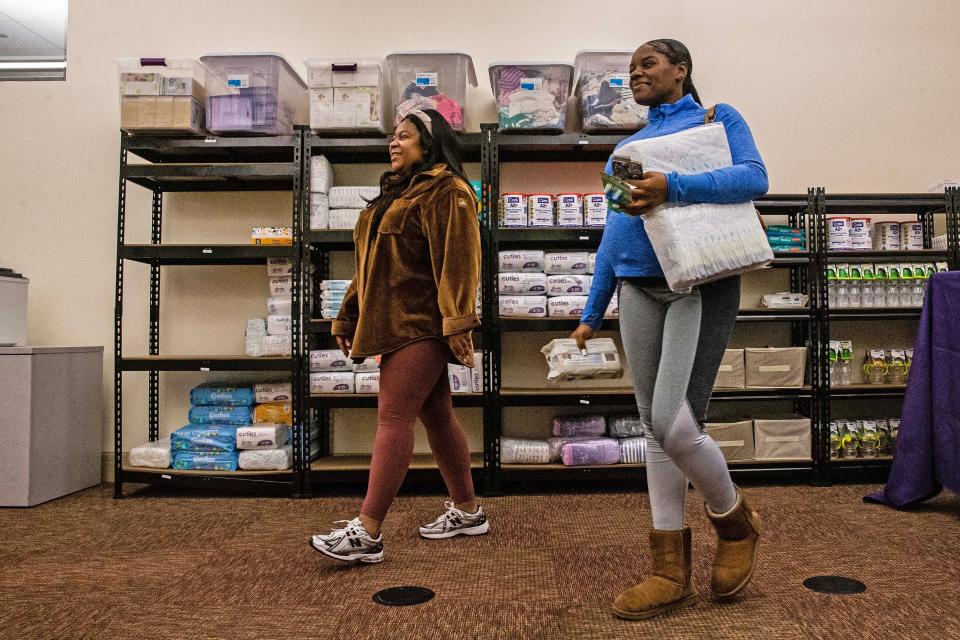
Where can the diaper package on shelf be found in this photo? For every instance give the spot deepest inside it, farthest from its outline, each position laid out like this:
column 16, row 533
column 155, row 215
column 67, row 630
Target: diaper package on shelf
column 332, row 382
column 567, row 363
column 279, row 325
column 522, row 284
column 321, row 174
column 279, row 267
column 205, row 438
column 263, row 436
column 590, row 452
column 212, row 415
column 367, row 366
column 343, row 218
column 192, row 461
column 335, row 285
column 520, row 451
column 784, row 300
column 273, row 392
column 690, row 246
column 281, row 286
column 591, row 263
column 273, row 412
column 565, row 426
column 556, row 444
column 212, row 393
column 566, row 306
column 368, row 382
column 319, row 211
column 613, row 309
column 476, row 374
column 153, row 455
column 624, row 427
column 253, row 336
column 461, row 378
column 633, row 450
column 266, row 459
column 577, row 262
column 279, row 305
column 329, row 360
column 277, row 346
column 521, row 261
column 568, row 285
column 523, row 306
column 352, row 197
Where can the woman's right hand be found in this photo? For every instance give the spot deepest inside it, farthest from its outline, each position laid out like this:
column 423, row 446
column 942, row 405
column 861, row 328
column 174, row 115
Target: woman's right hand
column 344, row 344
column 581, row 334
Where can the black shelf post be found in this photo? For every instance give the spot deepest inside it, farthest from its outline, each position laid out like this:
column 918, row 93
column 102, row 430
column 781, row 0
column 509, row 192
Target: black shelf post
column 821, row 342
column 153, row 378
column 118, row 328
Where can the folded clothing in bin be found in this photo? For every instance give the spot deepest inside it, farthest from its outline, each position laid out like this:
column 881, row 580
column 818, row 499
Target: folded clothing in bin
column 590, row 452
column 266, row 413
column 210, row 415
column 278, row 459
column 209, row 438
column 520, row 451
column 531, row 95
column 556, row 444
column 263, row 436
column 567, row 363
column 625, row 427
column 579, row 426
column 154, row 455
column 222, row 395
column 633, row 450
column 193, row 461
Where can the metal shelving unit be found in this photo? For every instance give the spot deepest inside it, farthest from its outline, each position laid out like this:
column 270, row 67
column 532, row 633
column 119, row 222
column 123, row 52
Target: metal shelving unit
column 175, row 164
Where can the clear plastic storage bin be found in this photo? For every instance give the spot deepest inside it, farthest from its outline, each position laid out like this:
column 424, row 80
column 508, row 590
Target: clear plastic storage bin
column 347, row 96
column 161, row 95
column 431, row 80
column 253, row 93
column 604, row 99
column 531, row 95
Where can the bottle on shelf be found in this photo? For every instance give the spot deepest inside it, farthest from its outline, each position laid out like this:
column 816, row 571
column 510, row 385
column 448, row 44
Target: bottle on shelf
column 867, row 286
column 834, row 363
column 893, row 286
column 880, row 286
column 906, row 285
column 846, row 362
column 883, row 431
column 894, row 434
column 832, row 284
column 875, row 366
column 849, row 440
column 919, row 287
column 869, row 439
column 855, row 286
column 896, row 366
column 835, row 440
column 843, row 286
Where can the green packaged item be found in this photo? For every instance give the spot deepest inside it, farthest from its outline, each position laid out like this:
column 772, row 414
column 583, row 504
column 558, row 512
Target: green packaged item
column 835, row 440
column 869, row 439
column 618, row 191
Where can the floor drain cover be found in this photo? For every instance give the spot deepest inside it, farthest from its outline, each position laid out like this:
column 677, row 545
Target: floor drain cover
column 834, row 584
column 403, row 596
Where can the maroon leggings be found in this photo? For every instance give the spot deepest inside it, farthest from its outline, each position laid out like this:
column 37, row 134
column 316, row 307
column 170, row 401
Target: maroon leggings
column 414, row 383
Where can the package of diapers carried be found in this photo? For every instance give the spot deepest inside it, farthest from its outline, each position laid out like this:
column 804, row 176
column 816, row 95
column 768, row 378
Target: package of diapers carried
column 332, row 382
column 280, row 285
column 521, row 261
column 633, row 450
column 566, row 363
column 153, row 455
column 192, row 461
column 523, row 306
column 520, row 451
column 566, row 306
column 368, row 382
column 329, row 360
column 279, row 267
column 279, row 325
column 206, row 438
column 579, row 426
column 266, row 459
column 624, row 427
column 556, row 444
column 263, row 436
column 576, row 262
column 691, row 246
column 568, row 285
column 321, row 174
column 590, row 452
column 213, row 415
column 352, row 197
column 522, row 284
column 273, row 392
column 343, row 218
column 212, row 393
column 319, row 212
column 279, row 305
column 270, row 412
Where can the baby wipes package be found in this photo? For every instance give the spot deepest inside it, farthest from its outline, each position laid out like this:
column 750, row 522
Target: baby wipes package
column 523, row 306
column 526, row 261
column 568, row 285
column 566, row 306
column 522, row 283
column 567, row 363
column 577, row 262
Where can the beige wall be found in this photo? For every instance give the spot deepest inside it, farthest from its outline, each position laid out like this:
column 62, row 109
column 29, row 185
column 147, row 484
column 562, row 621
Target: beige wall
column 855, row 96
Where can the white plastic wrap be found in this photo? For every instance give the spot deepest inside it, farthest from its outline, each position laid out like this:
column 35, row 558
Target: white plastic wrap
column 633, row 450
column 253, row 336
column 613, row 309
column 518, row 451
column 522, row 284
column 523, row 306
column 566, row 363
column 266, row 459
column 319, row 211
column 335, row 285
column 523, row 261
column 476, row 374
column 279, row 305
column 697, row 243
column 279, row 325
column 321, row 174
column 273, row 392
column 281, row 286
column 343, row 218
column 277, row 346
column 568, row 285
column 352, row 197
column 153, row 455
column 262, row 436
column 577, row 262
column 566, row 306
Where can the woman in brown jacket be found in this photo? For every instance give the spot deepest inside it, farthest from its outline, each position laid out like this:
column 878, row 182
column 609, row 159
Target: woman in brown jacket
column 413, row 301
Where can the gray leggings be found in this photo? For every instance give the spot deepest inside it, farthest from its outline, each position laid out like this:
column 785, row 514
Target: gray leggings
column 674, row 343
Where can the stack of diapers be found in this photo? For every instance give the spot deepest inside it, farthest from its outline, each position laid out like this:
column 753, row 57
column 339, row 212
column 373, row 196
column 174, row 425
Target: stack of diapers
column 205, row 448
column 690, row 246
column 535, row 284
column 624, row 427
column 555, row 445
column 321, row 181
column 522, row 276
column 466, row 379
column 263, row 447
column 566, row 426
column 346, row 203
column 153, row 455
column 331, row 372
column 633, row 450
column 566, row 363
column 273, row 403
column 271, row 336
column 366, row 376
column 597, row 451
column 331, row 297
column 519, row 451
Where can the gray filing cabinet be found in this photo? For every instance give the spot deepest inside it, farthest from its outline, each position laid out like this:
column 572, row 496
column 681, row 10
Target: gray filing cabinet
column 50, row 422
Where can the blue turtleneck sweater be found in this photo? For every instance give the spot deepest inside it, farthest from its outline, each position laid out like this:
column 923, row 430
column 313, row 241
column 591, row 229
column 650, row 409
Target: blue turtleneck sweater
column 625, row 250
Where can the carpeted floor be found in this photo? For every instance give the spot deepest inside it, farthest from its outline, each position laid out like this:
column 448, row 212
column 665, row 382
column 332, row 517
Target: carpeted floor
column 162, row 565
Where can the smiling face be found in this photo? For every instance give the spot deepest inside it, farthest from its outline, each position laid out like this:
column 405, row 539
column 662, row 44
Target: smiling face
column 405, row 148
column 654, row 80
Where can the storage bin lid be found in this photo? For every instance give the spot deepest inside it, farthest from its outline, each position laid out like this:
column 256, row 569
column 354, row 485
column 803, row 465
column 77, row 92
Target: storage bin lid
column 357, row 62
column 256, row 54
column 471, row 72
column 496, row 66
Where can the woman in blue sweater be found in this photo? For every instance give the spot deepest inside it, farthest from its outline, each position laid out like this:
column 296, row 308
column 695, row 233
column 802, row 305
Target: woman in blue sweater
column 675, row 341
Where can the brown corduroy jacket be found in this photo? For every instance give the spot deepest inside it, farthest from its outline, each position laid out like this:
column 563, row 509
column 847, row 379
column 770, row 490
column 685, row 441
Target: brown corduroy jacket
column 417, row 278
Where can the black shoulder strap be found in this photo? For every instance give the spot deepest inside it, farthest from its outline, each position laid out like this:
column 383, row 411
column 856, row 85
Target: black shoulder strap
column 710, row 115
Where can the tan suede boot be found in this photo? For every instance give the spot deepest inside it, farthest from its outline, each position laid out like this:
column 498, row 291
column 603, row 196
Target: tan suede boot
column 670, row 587
column 738, row 531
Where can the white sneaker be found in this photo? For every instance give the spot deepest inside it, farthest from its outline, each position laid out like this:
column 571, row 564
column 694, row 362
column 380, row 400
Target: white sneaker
column 456, row 522
column 351, row 543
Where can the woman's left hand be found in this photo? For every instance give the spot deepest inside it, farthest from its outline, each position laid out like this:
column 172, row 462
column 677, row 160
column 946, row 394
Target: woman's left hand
column 647, row 193
column 462, row 346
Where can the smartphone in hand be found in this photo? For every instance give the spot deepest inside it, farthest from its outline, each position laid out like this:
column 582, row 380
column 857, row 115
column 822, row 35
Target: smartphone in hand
column 625, row 168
